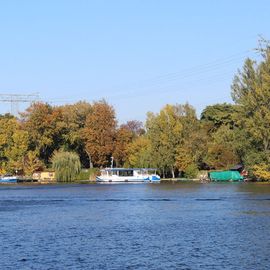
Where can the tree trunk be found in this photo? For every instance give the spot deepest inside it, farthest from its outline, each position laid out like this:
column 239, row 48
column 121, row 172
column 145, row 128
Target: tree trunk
column 173, row 175
column 90, row 160
column 266, row 144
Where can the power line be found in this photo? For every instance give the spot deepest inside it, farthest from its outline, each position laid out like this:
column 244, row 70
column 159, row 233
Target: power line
column 15, row 99
column 140, row 88
column 192, row 73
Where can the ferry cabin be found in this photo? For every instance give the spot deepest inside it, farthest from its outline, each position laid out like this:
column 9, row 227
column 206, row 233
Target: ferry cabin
column 128, row 175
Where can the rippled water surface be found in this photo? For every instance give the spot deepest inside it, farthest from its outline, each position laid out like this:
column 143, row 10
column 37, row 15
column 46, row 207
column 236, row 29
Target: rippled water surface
column 135, row 226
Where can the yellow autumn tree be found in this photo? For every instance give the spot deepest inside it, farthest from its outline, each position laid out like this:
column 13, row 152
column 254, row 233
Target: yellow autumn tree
column 167, row 131
column 13, row 144
column 138, row 153
column 261, row 171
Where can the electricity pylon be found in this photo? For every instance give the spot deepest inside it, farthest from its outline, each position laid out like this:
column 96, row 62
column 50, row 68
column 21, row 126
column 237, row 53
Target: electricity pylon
column 16, row 99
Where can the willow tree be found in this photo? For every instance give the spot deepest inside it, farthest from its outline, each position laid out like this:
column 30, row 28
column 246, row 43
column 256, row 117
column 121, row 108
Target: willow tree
column 67, row 166
column 74, row 118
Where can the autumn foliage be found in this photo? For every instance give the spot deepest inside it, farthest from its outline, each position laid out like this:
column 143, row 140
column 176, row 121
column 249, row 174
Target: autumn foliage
column 99, row 133
column 174, row 140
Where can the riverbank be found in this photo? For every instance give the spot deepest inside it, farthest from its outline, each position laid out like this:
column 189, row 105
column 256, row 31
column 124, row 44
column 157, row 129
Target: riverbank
column 162, row 181
column 174, row 180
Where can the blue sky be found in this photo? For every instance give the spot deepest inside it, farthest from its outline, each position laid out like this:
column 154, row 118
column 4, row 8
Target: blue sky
column 139, row 54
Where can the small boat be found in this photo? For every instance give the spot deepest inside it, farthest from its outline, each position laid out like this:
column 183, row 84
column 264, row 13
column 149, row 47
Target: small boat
column 8, row 179
column 130, row 175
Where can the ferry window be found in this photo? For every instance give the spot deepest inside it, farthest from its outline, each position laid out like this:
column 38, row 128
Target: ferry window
column 126, row 173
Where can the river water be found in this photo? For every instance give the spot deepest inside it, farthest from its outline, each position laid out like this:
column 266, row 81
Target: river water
column 135, row 226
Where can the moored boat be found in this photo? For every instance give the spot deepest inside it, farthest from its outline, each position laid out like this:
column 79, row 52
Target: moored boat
column 8, row 179
column 131, row 175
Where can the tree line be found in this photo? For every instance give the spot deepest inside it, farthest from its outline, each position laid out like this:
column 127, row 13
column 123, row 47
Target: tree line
column 174, row 140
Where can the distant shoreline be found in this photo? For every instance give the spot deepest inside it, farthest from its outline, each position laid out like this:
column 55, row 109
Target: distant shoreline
column 163, row 181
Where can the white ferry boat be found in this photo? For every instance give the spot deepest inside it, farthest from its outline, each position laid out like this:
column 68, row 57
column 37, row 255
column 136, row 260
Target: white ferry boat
column 131, row 175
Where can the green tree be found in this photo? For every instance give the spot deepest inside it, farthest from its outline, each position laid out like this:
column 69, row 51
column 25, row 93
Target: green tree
column 163, row 130
column 44, row 125
column 8, row 125
column 220, row 115
column 191, row 171
column 251, row 90
column 14, row 144
column 139, row 153
column 67, row 166
column 74, row 119
column 17, row 150
column 166, row 131
column 193, row 148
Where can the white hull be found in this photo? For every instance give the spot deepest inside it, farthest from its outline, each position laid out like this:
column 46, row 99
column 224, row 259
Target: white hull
column 9, row 179
column 121, row 180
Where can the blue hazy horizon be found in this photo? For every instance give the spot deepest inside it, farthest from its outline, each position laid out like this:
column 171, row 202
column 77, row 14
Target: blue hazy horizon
column 138, row 55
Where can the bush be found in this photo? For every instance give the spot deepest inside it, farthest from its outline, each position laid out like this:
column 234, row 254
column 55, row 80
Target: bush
column 93, row 173
column 83, row 175
column 191, row 171
column 67, row 166
column 261, row 171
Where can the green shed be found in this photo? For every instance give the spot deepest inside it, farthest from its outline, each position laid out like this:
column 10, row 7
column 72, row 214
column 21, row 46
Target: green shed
column 226, row 176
